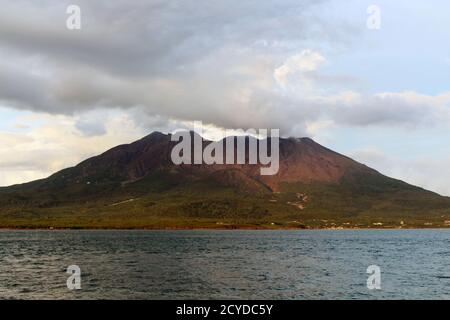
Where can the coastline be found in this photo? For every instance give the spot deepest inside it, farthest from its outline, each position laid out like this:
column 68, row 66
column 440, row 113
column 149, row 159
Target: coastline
column 217, row 229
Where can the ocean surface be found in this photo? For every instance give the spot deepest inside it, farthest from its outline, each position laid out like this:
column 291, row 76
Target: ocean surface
column 322, row 264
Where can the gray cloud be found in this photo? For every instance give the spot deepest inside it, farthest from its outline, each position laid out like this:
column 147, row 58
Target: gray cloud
column 90, row 127
column 188, row 60
column 150, row 36
column 404, row 108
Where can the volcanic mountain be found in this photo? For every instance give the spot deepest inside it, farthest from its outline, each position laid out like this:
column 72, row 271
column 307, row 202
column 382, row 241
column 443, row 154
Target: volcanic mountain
column 138, row 186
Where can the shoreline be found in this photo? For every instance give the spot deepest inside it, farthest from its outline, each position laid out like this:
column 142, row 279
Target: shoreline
column 215, row 229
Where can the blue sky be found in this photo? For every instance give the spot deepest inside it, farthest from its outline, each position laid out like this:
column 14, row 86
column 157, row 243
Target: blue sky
column 310, row 68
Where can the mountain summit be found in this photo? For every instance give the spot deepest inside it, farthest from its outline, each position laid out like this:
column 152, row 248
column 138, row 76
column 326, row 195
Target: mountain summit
column 137, row 186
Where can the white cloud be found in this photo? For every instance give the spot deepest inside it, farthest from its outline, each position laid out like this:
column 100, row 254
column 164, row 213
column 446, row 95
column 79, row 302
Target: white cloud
column 304, row 62
column 57, row 143
column 426, row 171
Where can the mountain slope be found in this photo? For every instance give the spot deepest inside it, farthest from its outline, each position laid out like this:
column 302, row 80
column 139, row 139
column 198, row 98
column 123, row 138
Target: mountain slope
column 137, row 185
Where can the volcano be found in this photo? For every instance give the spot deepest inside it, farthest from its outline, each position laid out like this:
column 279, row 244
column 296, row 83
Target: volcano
column 138, row 186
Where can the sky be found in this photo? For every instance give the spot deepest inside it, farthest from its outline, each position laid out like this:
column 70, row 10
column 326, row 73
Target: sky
column 309, row 68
